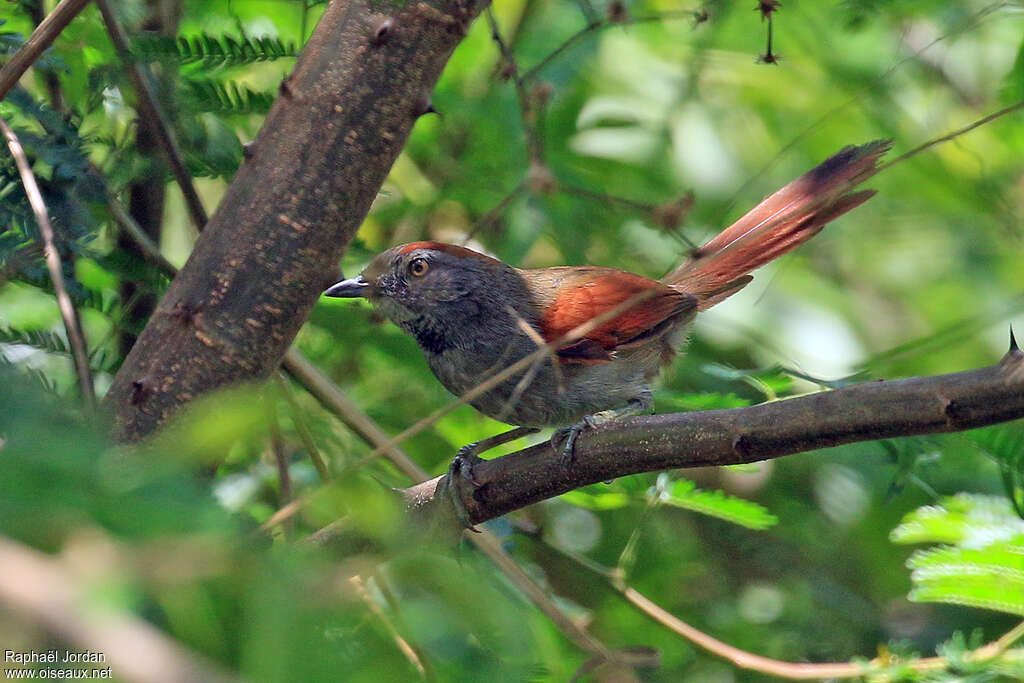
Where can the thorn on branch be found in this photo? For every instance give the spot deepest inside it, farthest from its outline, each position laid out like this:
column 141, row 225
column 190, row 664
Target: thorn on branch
column 540, row 180
column 954, row 411
column 424, row 106
column 184, row 314
column 741, row 447
column 141, row 390
column 670, row 215
column 380, row 34
column 767, row 8
column 1013, row 342
column 617, row 13
column 541, row 93
column 285, row 89
column 508, row 70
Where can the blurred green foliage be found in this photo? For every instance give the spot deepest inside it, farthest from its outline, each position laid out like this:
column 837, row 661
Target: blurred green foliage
column 793, row 558
column 982, row 561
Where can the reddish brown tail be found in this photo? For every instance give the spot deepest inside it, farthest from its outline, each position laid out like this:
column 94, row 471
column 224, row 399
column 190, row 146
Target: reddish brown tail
column 781, row 222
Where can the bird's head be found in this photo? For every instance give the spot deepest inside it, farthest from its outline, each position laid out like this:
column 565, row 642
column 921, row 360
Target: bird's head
column 429, row 281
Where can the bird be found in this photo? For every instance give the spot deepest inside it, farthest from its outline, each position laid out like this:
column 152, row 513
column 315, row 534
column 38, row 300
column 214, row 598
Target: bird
column 473, row 315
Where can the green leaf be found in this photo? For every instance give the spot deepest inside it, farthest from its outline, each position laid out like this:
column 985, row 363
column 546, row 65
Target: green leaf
column 711, row 400
column 965, row 519
column 228, row 98
column 683, row 493
column 984, row 564
column 1013, row 85
column 224, row 50
column 12, row 42
column 985, row 591
column 609, row 500
column 1005, row 444
column 771, row 381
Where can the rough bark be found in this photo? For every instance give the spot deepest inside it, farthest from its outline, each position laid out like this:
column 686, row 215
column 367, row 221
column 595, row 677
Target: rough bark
column 863, row 412
column 341, row 119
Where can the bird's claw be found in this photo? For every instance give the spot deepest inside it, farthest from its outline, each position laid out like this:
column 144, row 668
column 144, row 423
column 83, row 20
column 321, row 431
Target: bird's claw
column 465, row 462
column 571, row 433
column 564, row 440
column 460, row 472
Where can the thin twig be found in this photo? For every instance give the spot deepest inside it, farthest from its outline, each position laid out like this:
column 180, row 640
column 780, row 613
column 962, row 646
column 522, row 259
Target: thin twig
column 856, row 97
column 526, row 109
column 606, row 198
column 406, row 649
column 76, row 339
column 381, row 583
column 734, row 655
column 330, row 397
column 800, row 671
column 748, row 660
column 953, row 135
column 41, row 38
column 147, row 247
column 284, row 478
column 153, row 116
column 302, row 430
column 600, row 26
column 36, row 11
column 492, row 215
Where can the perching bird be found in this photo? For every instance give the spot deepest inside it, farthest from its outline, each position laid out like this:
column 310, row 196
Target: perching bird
column 473, row 315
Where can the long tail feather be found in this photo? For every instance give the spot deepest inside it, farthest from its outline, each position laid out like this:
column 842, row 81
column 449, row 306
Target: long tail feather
column 780, row 223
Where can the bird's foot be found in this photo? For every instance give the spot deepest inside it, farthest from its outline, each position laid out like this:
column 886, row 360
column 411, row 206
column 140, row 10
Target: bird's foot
column 460, row 474
column 564, row 438
column 462, row 471
column 564, row 441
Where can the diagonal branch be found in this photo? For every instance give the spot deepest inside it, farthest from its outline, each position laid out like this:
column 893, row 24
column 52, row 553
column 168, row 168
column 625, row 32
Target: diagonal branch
column 153, row 116
column 863, row 412
column 76, row 339
column 41, row 38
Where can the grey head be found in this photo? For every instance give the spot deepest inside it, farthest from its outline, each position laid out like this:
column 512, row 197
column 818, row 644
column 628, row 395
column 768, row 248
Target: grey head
column 446, row 296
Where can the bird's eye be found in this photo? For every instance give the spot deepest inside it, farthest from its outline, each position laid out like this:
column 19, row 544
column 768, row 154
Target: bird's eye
column 418, row 267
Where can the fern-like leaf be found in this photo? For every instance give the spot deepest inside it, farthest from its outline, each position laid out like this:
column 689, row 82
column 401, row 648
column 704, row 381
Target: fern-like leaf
column 225, row 50
column 11, row 42
column 683, row 493
column 981, row 563
column 42, row 340
column 228, row 98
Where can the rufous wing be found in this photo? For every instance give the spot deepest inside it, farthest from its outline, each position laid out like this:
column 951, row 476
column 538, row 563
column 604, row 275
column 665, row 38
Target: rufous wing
column 584, row 294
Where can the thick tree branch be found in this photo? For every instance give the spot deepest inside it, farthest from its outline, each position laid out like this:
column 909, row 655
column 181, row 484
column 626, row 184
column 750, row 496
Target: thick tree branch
column 340, row 121
column 863, row 412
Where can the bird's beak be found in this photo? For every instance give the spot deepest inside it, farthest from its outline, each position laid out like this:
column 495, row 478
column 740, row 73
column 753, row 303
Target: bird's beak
column 351, row 288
